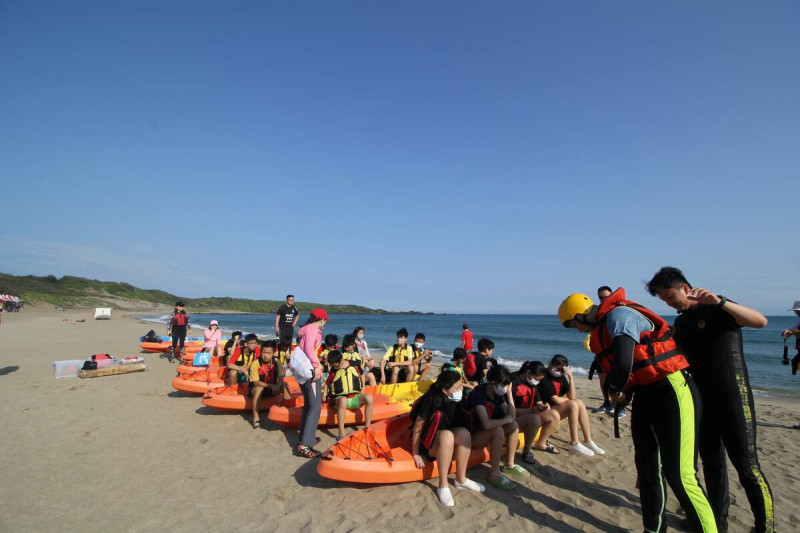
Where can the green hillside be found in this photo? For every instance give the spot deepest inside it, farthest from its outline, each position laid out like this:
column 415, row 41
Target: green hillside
column 72, row 291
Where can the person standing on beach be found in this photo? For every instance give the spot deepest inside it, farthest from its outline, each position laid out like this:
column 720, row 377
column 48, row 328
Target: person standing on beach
column 466, row 338
column 603, row 293
column 642, row 361
column 286, row 319
column 178, row 327
column 709, row 330
column 794, row 331
column 309, row 338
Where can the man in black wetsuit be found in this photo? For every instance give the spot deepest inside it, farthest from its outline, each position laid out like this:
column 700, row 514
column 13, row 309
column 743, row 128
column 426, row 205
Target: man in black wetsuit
column 709, row 331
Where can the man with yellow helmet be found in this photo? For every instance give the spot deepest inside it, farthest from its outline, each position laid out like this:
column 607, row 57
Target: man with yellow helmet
column 635, row 349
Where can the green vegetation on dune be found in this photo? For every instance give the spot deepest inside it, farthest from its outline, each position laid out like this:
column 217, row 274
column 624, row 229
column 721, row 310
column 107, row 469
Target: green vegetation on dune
column 72, row 291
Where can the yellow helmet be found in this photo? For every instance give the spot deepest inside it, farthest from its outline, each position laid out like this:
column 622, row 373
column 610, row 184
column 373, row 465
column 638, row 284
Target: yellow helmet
column 574, row 304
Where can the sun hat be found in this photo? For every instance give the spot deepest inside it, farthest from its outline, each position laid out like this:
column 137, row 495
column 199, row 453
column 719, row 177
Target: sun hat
column 796, row 306
column 320, row 313
column 213, row 323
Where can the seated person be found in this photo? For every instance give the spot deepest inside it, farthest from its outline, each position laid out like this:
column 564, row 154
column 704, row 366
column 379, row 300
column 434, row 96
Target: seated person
column 456, row 364
column 363, row 348
column 236, row 339
column 354, row 358
column 284, row 353
column 422, row 356
column 558, row 389
column 532, row 412
column 399, row 357
column 343, row 387
column 439, row 434
column 212, row 339
column 476, row 363
column 240, row 360
column 495, row 420
column 322, row 350
column 266, row 378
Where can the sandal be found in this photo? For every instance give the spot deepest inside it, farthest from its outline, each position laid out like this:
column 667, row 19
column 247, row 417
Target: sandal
column 308, row 452
column 501, row 482
column 515, row 470
column 528, row 458
column 256, row 425
column 550, row 449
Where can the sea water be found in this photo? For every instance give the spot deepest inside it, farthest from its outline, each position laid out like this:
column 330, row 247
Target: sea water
column 518, row 338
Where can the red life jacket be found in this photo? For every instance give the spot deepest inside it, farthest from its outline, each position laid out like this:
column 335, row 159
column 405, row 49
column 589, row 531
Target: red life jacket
column 179, row 319
column 524, row 395
column 557, row 385
column 655, row 356
column 267, row 374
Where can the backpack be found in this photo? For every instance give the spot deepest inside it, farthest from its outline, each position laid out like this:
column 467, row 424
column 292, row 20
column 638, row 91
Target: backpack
column 151, row 336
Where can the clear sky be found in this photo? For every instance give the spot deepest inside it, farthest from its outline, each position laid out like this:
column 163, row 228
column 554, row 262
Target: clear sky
column 438, row 156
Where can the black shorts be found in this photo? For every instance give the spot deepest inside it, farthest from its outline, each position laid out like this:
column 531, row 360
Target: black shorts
column 267, row 391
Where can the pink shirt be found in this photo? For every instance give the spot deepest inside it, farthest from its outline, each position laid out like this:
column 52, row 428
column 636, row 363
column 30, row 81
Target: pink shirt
column 308, row 339
column 212, row 338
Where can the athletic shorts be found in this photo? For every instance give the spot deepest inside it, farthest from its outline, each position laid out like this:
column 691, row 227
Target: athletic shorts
column 352, row 401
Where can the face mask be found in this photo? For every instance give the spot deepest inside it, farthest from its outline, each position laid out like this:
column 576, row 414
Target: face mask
column 533, row 382
column 500, row 390
column 456, row 396
column 361, row 336
column 555, row 373
column 418, row 345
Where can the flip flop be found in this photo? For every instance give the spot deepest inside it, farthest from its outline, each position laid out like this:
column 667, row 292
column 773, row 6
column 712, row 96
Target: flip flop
column 528, row 458
column 256, row 425
column 502, row 482
column 515, row 470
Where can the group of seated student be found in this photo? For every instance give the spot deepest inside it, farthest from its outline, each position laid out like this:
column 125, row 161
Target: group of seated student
column 556, row 386
column 532, row 412
column 444, row 427
column 343, row 388
column 404, row 362
column 266, row 378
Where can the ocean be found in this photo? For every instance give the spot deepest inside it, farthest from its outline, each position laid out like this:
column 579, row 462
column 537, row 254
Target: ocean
column 518, row 338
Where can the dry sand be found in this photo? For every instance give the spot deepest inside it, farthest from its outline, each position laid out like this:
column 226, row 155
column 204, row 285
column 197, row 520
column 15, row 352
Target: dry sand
column 127, row 453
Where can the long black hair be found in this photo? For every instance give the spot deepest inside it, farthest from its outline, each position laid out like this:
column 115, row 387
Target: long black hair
column 446, row 379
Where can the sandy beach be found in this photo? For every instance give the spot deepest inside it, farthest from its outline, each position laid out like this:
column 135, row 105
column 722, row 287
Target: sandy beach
column 128, row 453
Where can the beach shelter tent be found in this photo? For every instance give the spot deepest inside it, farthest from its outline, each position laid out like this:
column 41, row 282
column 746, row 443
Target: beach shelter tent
column 102, row 313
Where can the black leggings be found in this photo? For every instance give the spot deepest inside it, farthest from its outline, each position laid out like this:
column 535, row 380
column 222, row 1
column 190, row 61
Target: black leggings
column 729, row 423
column 178, row 336
column 664, row 425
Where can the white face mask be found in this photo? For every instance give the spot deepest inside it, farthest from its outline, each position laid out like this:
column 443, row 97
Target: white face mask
column 456, row 396
column 533, row 382
column 555, row 373
column 500, row 390
column 360, row 336
column 419, row 345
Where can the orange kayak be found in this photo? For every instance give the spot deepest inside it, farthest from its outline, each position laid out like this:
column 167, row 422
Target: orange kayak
column 199, row 382
column 382, row 454
column 188, row 369
column 236, row 398
column 289, row 413
column 166, row 346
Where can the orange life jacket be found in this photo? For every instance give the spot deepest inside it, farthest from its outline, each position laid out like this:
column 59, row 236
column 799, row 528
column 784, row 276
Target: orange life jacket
column 655, row 356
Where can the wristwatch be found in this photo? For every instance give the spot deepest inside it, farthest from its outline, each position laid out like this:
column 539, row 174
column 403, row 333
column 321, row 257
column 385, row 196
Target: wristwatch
column 722, row 300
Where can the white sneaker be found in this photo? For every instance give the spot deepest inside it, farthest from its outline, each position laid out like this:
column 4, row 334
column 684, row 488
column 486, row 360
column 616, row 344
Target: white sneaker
column 595, row 448
column 470, row 485
column 445, row 498
column 580, row 448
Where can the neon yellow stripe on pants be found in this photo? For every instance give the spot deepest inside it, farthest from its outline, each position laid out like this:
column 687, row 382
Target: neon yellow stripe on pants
column 688, row 474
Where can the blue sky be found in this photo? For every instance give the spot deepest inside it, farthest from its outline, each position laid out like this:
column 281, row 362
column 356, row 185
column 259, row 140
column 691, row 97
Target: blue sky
column 447, row 156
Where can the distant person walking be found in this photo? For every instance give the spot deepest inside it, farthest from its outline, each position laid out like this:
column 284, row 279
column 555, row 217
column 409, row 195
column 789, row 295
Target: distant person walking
column 794, row 331
column 286, row 319
column 309, row 339
column 178, row 327
column 466, row 338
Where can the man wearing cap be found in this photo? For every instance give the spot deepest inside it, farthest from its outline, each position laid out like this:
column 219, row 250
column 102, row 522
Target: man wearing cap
column 709, row 330
column 178, row 326
column 286, row 319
